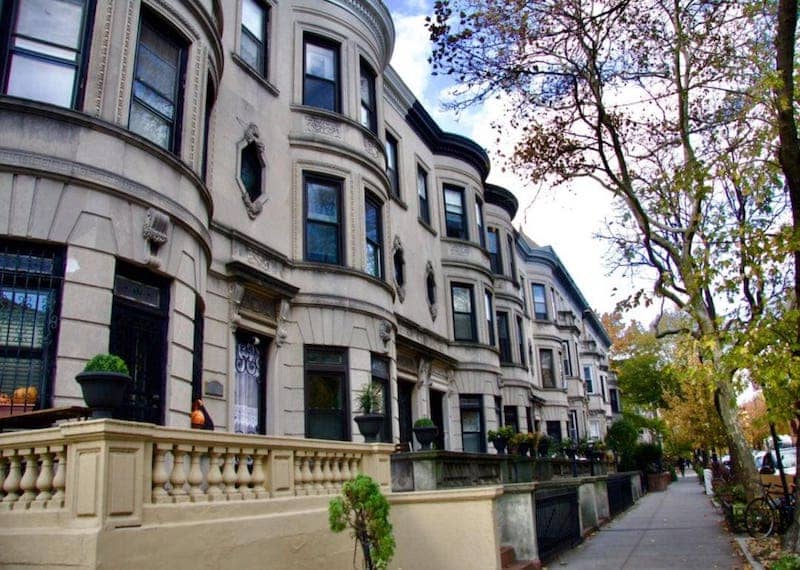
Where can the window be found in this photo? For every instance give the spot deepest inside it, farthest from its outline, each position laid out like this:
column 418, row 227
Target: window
column 455, row 218
column 587, row 377
column 250, row 376
column 567, row 358
column 253, row 43
column 399, row 268
column 422, row 194
column 529, row 418
column 574, row 433
column 380, row 377
column 368, row 112
column 594, row 429
column 46, row 48
column 250, row 171
column 391, row 166
column 374, row 237
column 30, row 289
column 603, row 387
column 326, row 390
column 554, row 430
column 197, row 348
column 158, row 85
column 613, row 394
column 512, row 263
column 539, row 301
column 323, row 214
column 547, row 367
column 521, row 340
column 489, row 317
column 479, row 221
column 321, row 73
column 430, row 287
column 504, row 338
column 495, row 261
column 498, row 410
column 472, row 425
column 463, row 312
column 511, row 417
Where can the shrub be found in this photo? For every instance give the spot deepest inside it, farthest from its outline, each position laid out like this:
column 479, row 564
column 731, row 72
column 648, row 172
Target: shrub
column 787, row 562
column 370, row 399
column 648, row 457
column 424, row 423
column 364, row 509
column 505, row 432
column 106, row 363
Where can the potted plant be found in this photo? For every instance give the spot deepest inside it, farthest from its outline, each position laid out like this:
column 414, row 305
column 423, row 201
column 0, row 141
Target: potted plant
column 370, row 402
column 104, row 382
column 425, row 431
column 545, row 443
column 525, row 442
column 364, row 509
column 500, row 437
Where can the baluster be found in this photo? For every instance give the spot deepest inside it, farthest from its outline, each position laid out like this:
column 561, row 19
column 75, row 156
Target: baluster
column 317, row 474
column 243, row 474
column 3, row 475
column 45, row 481
column 355, row 466
column 11, row 484
column 337, row 472
column 229, row 476
column 259, row 478
column 28, row 481
column 178, row 476
column 215, row 492
column 160, row 475
column 346, row 474
column 60, row 478
column 299, row 485
column 308, row 476
column 327, row 475
column 196, row 476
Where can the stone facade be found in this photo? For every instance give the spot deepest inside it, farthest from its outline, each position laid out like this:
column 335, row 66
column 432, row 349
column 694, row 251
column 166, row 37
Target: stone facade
column 245, row 201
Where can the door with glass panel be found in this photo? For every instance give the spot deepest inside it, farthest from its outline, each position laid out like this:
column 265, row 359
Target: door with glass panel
column 250, row 388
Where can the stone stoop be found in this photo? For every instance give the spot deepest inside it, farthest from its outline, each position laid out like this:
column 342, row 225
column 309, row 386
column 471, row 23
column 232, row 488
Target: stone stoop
column 508, row 560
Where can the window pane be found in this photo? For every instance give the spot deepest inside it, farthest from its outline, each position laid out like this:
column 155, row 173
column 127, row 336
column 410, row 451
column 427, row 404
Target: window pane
column 323, row 202
column 331, row 357
column 320, row 62
column 462, row 325
column 161, row 48
column 55, row 21
column 250, row 51
column 366, row 89
column 251, row 171
column 372, row 222
column 323, row 243
column 319, row 93
column 373, row 260
column 253, row 16
column 471, row 420
column 462, row 300
column 158, row 74
column 324, row 392
column 40, row 80
column 67, row 55
column 153, row 99
column 149, row 125
column 452, row 199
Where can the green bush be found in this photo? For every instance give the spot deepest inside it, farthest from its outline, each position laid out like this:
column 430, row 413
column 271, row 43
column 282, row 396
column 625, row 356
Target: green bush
column 364, row 509
column 505, row 432
column 424, row 423
column 106, row 363
column 648, row 457
column 787, row 562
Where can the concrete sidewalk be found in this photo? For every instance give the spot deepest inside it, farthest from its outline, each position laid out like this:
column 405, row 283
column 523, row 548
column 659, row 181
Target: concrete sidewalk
column 675, row 529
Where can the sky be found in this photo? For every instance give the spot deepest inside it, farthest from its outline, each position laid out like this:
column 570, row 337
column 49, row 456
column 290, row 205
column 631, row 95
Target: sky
column 567, row 220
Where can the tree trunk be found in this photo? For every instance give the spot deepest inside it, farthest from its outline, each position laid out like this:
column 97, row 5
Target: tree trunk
column 741, row 454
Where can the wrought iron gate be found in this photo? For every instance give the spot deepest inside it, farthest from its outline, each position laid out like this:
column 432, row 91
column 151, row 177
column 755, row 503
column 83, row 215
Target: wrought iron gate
column 620, row 493
column 557, row 521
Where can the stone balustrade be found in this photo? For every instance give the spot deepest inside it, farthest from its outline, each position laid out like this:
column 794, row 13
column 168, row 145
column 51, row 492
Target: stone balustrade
column 109, row 470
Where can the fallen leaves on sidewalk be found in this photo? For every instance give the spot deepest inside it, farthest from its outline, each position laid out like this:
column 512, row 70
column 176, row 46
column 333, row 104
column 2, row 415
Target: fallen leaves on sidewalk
column 766, row 550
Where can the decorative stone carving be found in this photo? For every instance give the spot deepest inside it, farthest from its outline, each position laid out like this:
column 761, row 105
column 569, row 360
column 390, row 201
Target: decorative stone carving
column 459, row 250
column 154, row 231
column 429, row 274
column 424, row 371
column 282, row 334
column 385, row 332
column 236, row 293
column 370, row 148
column 322, row 126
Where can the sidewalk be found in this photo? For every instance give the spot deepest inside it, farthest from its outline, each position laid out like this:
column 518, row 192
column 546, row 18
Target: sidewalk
column 676, row 529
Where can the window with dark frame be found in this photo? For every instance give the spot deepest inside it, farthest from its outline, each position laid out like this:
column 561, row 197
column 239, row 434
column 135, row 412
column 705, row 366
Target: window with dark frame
column 512, row 262
column 498, row 410
column 380, row 377
column 44, row 48
column 455, row 215
column 521, row 340
column 489, row 316
column 399, row 263
column 250, row 171
column 574, row 432
column 157, row 98
column 511, row 417
column 197, row 348
column 326, row 393
column 567, row 352
column 321, row 73
column 493, row 245
column 479, row 221
column 323, row 214
column 422, row 194
column 253, row 45
column 504, row 338
column 539, row 294
column 554, row 432
column 587, row 377
column 547, row 367
column 392, row 168
column 369, row 115
column 373, row 230
column 529, row 418
column 473, row 439
column 463, row 312
column 613, row 394
column 250, row 388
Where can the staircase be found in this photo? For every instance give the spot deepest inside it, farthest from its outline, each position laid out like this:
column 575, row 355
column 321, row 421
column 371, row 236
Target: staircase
column 508, row 560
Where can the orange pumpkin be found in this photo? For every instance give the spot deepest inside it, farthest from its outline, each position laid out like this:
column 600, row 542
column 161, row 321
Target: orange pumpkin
column 198, row 418
column 27, row 395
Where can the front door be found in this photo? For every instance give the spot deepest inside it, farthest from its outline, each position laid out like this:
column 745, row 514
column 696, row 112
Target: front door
column 404, row 392
column 437, row 415
column 250, row 369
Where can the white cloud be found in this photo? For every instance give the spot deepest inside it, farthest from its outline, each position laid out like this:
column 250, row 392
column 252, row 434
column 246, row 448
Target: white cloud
column 411, row 52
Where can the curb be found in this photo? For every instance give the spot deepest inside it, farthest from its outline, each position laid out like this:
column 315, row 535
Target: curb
column 741, row 541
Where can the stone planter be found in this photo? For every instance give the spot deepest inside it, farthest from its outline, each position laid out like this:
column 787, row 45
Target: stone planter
column 500, row 444
column 658, row 481
column 425, row 436
column 103, row 391
column 369, row 425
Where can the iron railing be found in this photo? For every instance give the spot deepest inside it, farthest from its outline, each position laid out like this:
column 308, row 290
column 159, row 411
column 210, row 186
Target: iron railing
column 620, row 493
column 557, row 521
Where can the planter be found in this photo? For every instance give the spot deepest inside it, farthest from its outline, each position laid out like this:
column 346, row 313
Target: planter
column 523, row 448
column 500, row 444
column 658, row 481
column 370, row 426
column 103, row 391
column 425, row 436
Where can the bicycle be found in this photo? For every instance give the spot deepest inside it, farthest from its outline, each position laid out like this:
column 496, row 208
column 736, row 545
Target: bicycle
column 763, row 514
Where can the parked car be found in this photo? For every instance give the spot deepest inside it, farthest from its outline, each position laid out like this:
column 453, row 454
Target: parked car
column 788, row 458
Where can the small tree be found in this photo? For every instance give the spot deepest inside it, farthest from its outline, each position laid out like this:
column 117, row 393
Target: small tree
column 363, row 508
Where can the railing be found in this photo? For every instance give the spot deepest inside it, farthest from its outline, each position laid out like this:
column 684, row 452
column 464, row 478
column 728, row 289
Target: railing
column 620, row 493
column 557, row 521
column 109, row 469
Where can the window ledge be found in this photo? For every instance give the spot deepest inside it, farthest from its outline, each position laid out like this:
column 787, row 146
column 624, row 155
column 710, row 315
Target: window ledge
column 332, row 268
column 265, row 83
column 399, row 201
column 427, row 226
